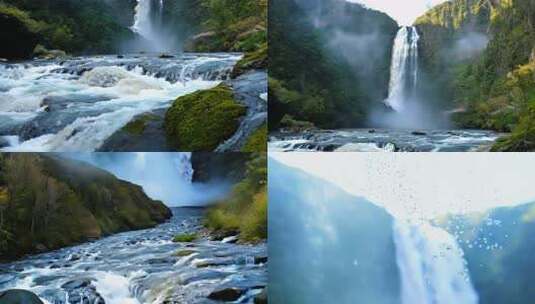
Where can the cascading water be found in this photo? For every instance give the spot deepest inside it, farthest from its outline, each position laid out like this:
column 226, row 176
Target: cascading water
column 142, row 19
column 164, row 176
column 148, row 23
column 431, row 264
column 404, row 67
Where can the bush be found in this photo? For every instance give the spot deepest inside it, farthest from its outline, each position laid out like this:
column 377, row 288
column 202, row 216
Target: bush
column 185, row 238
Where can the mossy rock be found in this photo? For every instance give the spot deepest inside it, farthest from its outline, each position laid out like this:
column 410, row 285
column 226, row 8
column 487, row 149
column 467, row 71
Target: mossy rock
column 138, row 125
column 184, row 253
column 185, row 238
column 257, row 142
column 203, row 120
column 257, row 59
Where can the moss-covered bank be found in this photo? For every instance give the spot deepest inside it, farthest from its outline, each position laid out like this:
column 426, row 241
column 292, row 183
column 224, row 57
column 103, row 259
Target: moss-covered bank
column 202, row 120
column 245, row 209
column 48, row 202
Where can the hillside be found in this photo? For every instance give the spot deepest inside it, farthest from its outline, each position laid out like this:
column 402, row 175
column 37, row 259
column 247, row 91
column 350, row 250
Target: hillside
column 329, row 62
column 327, row 246
column 48, row 202
column 495, row 84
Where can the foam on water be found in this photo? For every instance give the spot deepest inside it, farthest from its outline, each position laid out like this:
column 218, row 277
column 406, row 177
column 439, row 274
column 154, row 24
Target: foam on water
column 97, row 96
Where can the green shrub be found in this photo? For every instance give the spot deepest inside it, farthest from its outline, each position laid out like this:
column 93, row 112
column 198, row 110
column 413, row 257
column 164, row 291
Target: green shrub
column 185, row 238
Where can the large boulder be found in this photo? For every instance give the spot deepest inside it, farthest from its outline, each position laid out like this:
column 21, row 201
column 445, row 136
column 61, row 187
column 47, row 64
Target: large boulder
column 203, row 120
column 19, row 296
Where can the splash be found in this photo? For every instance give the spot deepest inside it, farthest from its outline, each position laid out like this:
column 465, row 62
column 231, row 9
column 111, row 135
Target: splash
column 431, row 264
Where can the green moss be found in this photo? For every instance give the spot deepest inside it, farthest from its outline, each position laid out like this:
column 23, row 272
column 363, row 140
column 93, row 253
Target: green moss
column 522, row 139
column 185, row 238
column 257, row 59
column 245, row 209
column 185, row 252
column 203, row 120
column 137, row 125
column 257, row 142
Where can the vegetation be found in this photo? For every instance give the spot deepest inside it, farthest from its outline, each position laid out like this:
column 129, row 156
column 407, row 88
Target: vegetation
column 137, row 125
column 185, row 238
column 496, row 88
column 257, row 142
column 48, row 202
column 318, row 73
column 203, row 120
column 245, row 209
column 70, row 25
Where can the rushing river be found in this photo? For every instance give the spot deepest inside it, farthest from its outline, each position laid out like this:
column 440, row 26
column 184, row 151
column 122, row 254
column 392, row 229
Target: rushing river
column 76, row 104
column 143, row 267
column 384, row 140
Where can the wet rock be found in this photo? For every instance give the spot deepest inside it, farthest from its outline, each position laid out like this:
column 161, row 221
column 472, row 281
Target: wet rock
column 145, row 132
column 18, row 296
column 371, row 131
column 226, row 294
column 40, row 248
column 419, row 133
column 161, row 261
column 185, row 252
column 75, row 284
column 261, row 298
column 202, row 275
column 261, row 260
column 166, row 56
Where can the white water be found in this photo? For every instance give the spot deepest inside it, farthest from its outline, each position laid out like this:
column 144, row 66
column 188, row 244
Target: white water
column 404, row 67
column 164, row 176
column 432, row 266
column 149, row 25
column 102, row 99
column 142, row 20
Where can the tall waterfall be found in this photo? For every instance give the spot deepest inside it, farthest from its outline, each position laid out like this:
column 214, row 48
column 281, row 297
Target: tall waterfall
column 148, row 23
column 404, row 67
column 432, row 267
column 142, row 19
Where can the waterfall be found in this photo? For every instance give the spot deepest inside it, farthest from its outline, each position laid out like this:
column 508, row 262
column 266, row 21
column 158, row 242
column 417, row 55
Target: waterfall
column 148, row 23
column 404, row 67
column 164, row 176
column 142, row 19
column 431, row 264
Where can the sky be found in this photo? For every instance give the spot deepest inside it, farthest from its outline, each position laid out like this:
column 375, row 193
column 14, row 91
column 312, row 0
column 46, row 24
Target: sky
column 420, row 185
column 404, row 12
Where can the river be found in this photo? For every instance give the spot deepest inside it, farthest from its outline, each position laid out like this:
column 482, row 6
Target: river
column 143, row 267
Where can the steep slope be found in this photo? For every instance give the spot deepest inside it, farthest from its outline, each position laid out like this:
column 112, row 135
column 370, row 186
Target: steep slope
column 72, row 26
column 489, row 75
column 329, row 62
column 498, row 247
column 48, row 202
column 327, row 246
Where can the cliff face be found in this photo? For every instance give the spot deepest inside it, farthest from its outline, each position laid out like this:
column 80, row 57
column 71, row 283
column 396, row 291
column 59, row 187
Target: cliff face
column 498, row 247
column 47, row 202
column 329, row 61
column 327, row 246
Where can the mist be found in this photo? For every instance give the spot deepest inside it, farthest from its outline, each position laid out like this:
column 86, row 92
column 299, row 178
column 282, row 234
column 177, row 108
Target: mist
column 153, row 32
column 163, row 176
column 417, row 113
column 468, row 46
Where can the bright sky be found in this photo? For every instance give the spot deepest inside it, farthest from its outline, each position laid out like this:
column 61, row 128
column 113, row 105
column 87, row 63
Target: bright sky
column 404, row 12
column 420, row 185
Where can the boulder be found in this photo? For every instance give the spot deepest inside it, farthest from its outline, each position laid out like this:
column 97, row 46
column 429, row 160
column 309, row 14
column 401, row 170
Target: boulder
column 19, row 296
column 226, row 294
